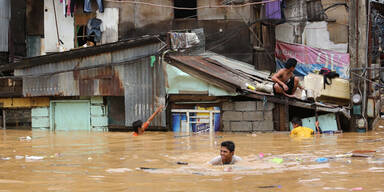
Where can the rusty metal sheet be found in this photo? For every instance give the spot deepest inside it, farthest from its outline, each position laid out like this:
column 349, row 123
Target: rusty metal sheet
column 144, row 91
column 103, row 81
column 5, row 16
column 62, row 84
column 98, row 74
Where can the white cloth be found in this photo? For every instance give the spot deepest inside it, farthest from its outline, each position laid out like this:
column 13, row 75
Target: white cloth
column 218, row 161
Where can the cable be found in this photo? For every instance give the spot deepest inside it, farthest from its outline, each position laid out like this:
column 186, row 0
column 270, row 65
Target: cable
column 365, row 79
column 187, row 8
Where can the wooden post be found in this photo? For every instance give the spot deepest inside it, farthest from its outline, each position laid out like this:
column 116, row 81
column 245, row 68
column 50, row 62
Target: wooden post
column 338, row 121
column 188, row 122
column 211, row 128
column 286, row 111
column 4, row 127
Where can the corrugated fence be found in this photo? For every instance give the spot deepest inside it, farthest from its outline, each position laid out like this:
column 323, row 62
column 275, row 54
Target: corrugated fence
column 5, row 15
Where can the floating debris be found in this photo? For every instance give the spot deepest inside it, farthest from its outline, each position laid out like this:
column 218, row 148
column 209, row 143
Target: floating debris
column 147, row 168
column 33, row 158
column 269, row 186
column 27, row 138
column 277, row 160
column 118, row 170
column 19, row 157
column 363, row 153
column 322, row 160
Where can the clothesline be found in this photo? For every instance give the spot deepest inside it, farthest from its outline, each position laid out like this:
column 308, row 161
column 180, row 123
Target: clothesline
column 187, row 8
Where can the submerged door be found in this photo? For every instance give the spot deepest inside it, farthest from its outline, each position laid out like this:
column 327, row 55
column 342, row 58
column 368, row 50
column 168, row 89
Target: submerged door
column 71, row 116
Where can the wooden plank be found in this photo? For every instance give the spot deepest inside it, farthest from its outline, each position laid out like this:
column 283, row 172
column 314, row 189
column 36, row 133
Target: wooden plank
column 4, row 127
column 283, row 118
column 338, row 121
column 276, row 117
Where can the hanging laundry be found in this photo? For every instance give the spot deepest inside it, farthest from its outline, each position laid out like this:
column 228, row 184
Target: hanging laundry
column 65, row 8
column 88, row 7
column 68, row 7
column 93, row 27
column 273, row 9
column 72, row 10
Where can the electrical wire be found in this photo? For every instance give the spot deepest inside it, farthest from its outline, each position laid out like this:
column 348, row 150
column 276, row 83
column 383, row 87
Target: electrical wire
column 190, row 8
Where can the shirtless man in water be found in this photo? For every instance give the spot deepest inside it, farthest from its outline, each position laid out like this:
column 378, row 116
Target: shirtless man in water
column 285, row 82
column 227, row 155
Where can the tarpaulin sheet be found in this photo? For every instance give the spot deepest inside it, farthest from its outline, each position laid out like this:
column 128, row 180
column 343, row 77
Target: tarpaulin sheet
column 311, row 59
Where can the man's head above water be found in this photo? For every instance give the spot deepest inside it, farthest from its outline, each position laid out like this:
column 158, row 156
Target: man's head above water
column 227, row 151
column 137, row 126
column 296, row 122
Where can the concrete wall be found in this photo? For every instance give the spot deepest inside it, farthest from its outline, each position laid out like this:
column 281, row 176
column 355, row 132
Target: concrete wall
column 247, row 116
column 65, row 27
column 331, row 34
column 226, row 31
column 110, row 25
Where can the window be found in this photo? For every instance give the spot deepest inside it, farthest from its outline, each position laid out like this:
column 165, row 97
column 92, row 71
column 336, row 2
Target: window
column 182, row 13
column 82, row 37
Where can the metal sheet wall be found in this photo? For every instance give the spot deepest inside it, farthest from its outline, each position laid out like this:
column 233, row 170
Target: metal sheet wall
column 62, row 78
column 5, row 15
column 141, row 84
column 144, row 92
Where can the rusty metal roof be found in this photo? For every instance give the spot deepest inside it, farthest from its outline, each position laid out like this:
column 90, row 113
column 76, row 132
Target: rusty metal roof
column 81, row 53
column 221, row 71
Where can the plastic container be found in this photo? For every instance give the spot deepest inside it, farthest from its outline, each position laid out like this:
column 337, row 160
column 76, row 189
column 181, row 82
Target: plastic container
column 179, row 121
column 303, row 95
column 176, row 122
column 322, row 160
column 216, row 121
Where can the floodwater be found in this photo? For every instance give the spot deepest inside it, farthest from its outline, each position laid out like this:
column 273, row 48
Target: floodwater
column 116, row 161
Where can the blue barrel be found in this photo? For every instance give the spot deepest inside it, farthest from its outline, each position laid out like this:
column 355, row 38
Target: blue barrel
column 176, row 122
column 177, row 118
column 216, row 119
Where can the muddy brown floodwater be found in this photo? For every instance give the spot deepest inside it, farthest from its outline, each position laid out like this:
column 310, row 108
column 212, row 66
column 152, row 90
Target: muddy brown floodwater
column 116, row 161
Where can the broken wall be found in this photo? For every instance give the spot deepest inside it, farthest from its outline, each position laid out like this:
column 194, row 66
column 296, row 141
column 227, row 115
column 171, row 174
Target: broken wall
column 331, row 33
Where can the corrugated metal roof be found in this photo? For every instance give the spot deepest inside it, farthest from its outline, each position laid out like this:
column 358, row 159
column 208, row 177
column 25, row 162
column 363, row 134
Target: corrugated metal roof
column 97, row 75
column 5, row 15
column 92, row 55
column 227, row 73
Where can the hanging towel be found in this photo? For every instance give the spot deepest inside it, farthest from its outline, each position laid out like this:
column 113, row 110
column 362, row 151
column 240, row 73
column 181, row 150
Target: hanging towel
column 65, row 8
column 68, row 7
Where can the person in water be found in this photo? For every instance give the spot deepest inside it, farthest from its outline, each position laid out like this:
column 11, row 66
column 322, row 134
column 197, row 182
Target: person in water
column 137, row 130
column 299, row 130
column 139, row 127
column 227, row 155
